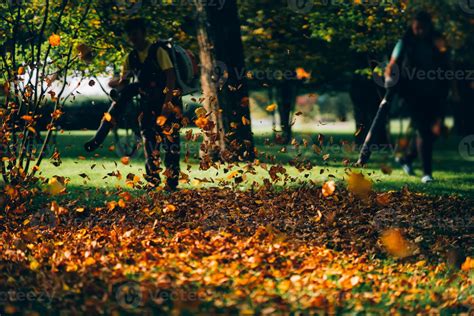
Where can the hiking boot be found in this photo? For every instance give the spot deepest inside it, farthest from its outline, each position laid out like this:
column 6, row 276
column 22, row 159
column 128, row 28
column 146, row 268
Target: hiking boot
column 406, row 167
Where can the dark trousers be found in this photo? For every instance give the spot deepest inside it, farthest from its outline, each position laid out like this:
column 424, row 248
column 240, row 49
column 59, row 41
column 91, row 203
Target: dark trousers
column 154, row 137
column 424, row 112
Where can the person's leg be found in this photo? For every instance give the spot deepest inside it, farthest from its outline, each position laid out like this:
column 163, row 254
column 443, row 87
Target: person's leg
column 172, row 145
column 425, row 143
column 150, row 146
column 412, row 150
column 406, row 161
column 116, row 110
column 172, row 148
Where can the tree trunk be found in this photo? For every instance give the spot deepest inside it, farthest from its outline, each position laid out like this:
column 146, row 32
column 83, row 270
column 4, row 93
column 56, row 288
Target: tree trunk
column 214, row 142
column 223, row 32
column 287, row 97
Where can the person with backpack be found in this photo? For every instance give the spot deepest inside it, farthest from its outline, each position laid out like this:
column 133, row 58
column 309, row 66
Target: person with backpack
column 160, row 104
column 421, row 57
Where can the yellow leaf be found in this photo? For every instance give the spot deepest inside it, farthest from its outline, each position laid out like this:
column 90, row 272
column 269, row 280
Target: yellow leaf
column 89, row 261
column 55, row 186
column 34, row 265
column 121, row 203
column 328, row 188
column 107, row 117
column 359, row 185
column 233, row 174
column 200, row 112
column 271, row 107
column 245, row 120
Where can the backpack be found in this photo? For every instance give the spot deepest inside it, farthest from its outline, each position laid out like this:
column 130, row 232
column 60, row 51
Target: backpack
column 184, row 62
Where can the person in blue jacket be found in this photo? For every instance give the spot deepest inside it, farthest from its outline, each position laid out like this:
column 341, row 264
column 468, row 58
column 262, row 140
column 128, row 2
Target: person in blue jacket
column 422, row 60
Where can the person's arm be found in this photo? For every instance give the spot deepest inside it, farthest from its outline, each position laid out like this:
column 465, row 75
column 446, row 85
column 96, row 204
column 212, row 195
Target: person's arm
column 124, row 79
column 397, row 52
column 164, row 61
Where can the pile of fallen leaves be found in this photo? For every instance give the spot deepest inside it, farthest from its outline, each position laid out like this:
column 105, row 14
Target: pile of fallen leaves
column 221, row 250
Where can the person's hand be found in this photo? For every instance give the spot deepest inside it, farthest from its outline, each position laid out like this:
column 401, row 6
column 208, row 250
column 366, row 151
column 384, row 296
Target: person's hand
column 114, row 82
column 388, row 71
column 167, row 110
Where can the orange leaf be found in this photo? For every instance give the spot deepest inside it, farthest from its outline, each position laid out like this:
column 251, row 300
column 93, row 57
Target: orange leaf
column 468, row 264
column 396, row 244
column 202, row 122
column 383, row 199
column 27, row 118
column 54, row 40
column 169, row 208
column 161, row 120
column 302, row 74
column 125, row 160
column 328, row 188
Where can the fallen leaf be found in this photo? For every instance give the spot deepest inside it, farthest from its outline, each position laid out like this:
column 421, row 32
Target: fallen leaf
column 396, row 244
column 328, row 188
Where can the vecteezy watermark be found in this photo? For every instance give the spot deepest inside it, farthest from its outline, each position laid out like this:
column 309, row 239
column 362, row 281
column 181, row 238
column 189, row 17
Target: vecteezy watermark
column 414, row 74
column 301, row 6
column 129, row 295
column 219, row 73
column 129, row 6
column 133, row 6
column 13, row 296
column 383, row 80
column 305, row 6
column 44, row 218
column 132, row 295
column 467, row 6
column 466, row 148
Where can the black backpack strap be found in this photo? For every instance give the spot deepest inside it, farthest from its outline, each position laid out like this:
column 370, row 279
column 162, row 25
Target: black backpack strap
column 152, row 52
column 133, row 60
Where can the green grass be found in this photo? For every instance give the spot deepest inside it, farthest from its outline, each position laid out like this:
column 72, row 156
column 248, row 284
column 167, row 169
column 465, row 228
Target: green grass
column 454, row 175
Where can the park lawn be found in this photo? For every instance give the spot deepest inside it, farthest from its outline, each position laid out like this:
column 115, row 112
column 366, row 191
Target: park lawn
column 454, row 175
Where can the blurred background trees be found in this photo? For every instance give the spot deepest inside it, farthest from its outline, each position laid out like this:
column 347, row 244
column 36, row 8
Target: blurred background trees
column 268, row 56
